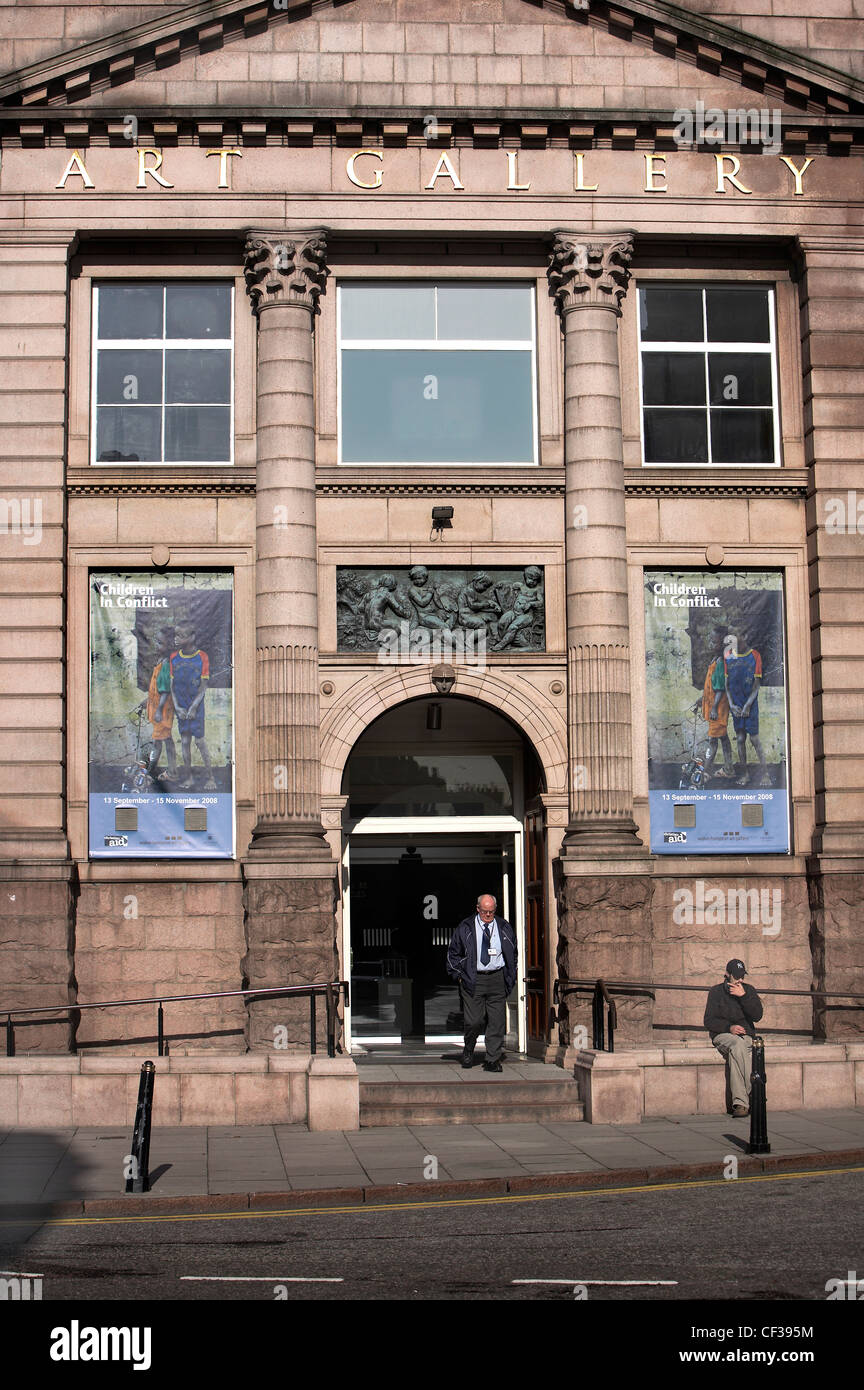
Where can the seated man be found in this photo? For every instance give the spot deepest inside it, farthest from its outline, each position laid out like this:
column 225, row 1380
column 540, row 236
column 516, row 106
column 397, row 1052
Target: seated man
column 730, row 1012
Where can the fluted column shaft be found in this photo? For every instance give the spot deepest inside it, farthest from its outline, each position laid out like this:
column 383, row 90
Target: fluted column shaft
column 589, row 280
column 285, row 276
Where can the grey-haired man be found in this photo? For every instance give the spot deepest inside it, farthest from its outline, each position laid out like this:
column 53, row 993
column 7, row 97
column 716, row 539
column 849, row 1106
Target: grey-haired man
column 483, row 956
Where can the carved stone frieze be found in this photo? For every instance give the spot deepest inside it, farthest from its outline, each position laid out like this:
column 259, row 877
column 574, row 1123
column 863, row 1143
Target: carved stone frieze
column 285, row 269
column 593, row 274
column 379, row 607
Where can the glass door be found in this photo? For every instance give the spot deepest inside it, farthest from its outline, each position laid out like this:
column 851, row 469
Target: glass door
column 404, row 896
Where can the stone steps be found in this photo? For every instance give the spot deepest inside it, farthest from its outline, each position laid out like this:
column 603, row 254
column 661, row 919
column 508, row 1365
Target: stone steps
column 468, row 1102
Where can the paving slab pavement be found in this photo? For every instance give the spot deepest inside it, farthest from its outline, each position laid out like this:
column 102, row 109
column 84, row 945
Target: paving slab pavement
column 85, row 1166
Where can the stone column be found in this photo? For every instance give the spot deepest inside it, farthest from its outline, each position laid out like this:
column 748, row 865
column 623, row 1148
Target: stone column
column 605, row 891
column 830, row 269
column 290, row 872
column 589, row 280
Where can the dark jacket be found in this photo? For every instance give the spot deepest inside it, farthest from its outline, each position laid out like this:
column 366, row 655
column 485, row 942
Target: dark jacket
column 723, row 1009
column 462, row 953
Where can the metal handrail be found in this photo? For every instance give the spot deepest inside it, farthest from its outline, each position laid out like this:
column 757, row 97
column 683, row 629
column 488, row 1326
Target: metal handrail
column 600, row 992
column 645, row 985
column 331, row 992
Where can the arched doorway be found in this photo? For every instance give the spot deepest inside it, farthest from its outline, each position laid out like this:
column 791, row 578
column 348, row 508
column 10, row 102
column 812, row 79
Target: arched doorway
column 439, row 793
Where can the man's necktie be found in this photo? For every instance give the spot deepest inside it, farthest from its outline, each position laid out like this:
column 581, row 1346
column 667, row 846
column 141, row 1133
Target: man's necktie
column 484, row 949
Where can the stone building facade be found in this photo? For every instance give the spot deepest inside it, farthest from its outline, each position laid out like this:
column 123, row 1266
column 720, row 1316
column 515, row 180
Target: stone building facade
column 502, row 188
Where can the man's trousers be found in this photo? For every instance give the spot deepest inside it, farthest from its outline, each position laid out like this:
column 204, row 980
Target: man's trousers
column 738, row 1051
column 486, row 1011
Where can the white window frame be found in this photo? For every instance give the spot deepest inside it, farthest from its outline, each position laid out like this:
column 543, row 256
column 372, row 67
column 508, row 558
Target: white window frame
column 705, row 347
column 163, row 343
column 439, row 345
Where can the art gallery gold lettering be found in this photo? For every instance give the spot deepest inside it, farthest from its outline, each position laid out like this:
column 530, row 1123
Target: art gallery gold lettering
column 367, row 175
column 732, row 175
column 513, row 183
column 152, row 169
column 580, row 185
column 798, row 174
column 223, row 164
column 75, row 166
column 654, row 171
column 444, row 169
column 377, row 174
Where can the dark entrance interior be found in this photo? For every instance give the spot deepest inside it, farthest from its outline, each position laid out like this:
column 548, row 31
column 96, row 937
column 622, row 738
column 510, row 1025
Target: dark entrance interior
column 407, row 896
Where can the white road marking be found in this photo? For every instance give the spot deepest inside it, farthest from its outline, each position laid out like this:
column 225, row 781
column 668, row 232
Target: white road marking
column 257, row 1279
column 619, row 1283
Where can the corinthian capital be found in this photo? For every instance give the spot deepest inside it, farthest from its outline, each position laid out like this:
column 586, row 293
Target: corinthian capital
column 590, row 273
column 288, row 269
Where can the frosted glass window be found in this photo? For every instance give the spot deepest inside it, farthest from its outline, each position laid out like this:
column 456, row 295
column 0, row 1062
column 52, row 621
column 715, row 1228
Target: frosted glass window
column 437, row 373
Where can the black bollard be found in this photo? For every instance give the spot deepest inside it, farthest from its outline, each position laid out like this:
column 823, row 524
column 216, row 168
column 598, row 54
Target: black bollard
column 758, row 1109
column 140, row 1155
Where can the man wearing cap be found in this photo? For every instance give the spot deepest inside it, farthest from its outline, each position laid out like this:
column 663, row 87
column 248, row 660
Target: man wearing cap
column 730, row 1013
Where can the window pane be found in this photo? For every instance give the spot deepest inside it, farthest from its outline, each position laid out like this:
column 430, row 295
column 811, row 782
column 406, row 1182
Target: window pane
column 484, row 311
column 197, row 311
column 740, row 378
column 737, row 314
column 676, row 436
column 128, row 434
column 130, row 311
column 129, row 374
column 418, row 784
column 437, row 407
column 198, row 375
column 673, row 378
column 197, row 433
column 388, row 311
column 670, row 315
column 742, row 436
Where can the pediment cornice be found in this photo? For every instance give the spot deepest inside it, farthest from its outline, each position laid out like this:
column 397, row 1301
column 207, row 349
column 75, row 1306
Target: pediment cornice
column 758, row 67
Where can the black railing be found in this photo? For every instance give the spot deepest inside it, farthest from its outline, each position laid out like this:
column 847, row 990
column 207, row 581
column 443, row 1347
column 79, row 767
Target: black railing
column 601, row 992
column 331, row 993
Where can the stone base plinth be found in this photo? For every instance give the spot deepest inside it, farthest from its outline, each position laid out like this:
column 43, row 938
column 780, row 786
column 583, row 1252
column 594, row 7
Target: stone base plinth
column 137, row 937
column 605, row 932
column 250, row 1089
column 290, row 913
column 623, row 1087
column 836, row 896
column 36, row 943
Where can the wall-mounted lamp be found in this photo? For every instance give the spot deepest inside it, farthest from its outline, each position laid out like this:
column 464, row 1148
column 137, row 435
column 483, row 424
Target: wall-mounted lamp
column 441, row 521
column 433, row 717
column 443, row 679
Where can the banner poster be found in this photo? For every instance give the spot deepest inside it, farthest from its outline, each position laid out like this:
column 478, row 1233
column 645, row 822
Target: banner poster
column 716, row 702
column 161, row 715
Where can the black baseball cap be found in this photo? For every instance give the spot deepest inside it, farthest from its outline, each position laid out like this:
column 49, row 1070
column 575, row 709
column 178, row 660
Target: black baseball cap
column 736, row 968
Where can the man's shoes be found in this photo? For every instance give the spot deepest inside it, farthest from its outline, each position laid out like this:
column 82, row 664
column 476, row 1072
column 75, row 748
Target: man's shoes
column 740, row 1110
column 467, row 1057
column 492, row 1066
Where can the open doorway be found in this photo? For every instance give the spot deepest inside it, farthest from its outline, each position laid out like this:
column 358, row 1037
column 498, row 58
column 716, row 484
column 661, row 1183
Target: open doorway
column 406, row 899
column 438, row 793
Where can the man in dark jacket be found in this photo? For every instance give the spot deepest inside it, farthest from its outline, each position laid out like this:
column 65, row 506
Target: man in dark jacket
column 482, row 956
column 730, row 1013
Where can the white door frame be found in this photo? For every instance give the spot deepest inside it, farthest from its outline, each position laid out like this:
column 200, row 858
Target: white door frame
column 405, row 827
